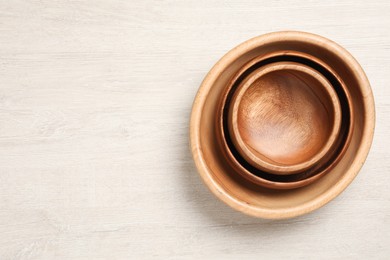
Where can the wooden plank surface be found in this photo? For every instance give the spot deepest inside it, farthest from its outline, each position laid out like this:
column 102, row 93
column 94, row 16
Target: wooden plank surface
column 95, row 98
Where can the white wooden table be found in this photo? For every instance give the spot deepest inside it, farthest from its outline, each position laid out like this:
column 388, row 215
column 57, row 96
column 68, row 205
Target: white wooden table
column 95, row 98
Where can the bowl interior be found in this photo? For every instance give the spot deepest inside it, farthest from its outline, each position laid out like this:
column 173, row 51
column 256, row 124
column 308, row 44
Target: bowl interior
column 284, row 117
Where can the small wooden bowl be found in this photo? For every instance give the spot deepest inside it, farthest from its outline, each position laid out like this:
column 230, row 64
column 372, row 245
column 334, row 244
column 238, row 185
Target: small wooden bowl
column 284, row 118
column 225, row 181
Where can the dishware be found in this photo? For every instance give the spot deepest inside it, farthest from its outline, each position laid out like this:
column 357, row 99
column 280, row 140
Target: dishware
column 284, row 117
column 296, row 180
column 243, row 195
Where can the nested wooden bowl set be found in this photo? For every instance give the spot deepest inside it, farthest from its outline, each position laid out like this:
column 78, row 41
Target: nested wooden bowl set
column 282, row 124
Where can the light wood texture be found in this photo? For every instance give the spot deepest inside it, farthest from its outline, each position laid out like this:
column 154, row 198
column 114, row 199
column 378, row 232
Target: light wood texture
column 284, row 118
column 94, row 105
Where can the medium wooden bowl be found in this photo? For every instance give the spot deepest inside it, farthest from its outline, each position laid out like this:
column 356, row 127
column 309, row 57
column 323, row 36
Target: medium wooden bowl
column 269, row 180
column 300, row 179
column 245, row 196
column 284, row 117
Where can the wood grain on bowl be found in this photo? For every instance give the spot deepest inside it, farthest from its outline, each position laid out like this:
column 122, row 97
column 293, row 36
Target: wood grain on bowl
column 284, row 117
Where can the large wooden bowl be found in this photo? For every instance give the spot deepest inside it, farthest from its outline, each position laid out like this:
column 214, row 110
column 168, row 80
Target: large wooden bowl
column 243, row 195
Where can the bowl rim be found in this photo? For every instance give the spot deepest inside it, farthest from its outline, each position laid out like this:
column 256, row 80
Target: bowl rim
column 351, row 172
column 278, row 168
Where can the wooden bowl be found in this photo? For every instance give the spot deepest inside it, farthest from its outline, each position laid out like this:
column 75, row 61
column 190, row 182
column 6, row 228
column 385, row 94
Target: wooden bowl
column 284, row 117
column 266, row 179
column 224, row 180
